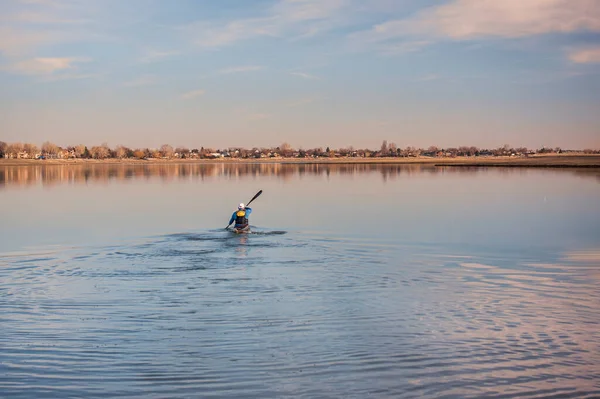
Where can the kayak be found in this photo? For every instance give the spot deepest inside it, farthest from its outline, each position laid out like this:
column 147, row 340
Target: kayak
column 241, row 230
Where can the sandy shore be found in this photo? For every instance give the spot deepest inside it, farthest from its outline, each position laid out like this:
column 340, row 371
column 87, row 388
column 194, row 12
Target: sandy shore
column 546, row 161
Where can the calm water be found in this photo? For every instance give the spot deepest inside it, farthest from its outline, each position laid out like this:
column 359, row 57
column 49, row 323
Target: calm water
column 358, row 281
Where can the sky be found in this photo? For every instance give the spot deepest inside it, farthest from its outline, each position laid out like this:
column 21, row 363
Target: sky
column 311, row 73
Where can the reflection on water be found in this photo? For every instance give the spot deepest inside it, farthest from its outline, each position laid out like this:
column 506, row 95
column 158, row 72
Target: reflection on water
column 83, row 173
column 358, row 281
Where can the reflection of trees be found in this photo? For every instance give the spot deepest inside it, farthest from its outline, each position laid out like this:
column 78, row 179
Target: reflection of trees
column 74, row 174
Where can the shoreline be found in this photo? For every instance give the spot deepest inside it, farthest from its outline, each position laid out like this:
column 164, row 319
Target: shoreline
column 539, row 161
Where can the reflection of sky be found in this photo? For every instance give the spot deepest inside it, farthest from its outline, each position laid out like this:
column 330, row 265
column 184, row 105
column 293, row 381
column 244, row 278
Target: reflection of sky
column 326, row 310
column 494, row 207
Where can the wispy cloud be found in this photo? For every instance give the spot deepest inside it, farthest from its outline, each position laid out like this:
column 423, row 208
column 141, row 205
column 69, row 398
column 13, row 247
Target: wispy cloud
column 462, row 20
column 45, row 66
column 19, row 42
column 29, row 25
column 144, row 80
column 30, row 17
column 47, row 3
column 238, row 69
column 46, row 12
column 156, row 55
column 471, row 19
column 307, row 10
column 304, row 75
column 192, row 94
column 590, row 55
column 212, row 35
column 404, row 47
column 70, row 76
column 286, row 18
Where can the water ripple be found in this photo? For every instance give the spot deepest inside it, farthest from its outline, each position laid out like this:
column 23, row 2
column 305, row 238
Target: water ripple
column 271, row 315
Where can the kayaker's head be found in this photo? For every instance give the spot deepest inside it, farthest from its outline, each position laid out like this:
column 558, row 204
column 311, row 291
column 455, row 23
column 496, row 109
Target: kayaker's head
column 241, row 206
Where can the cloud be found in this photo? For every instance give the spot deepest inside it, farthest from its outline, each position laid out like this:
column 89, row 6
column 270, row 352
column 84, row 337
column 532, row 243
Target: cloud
column 192, row 94
column 34, row 24
column 45, row 66
column 287, row 18
column 17, row 42
column 303, row 75
column 144, row 80
column 47, row 3
column 70, row 76
column 29, row 17
column 307, row 10
column 403, row 47
column 589, row 55
column 472, row 19
column 155, row 56
column 211, row 35
column 47, row 12
column 246, row 68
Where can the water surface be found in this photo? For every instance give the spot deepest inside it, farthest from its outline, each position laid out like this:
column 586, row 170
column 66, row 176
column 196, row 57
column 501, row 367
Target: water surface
column 359, row 280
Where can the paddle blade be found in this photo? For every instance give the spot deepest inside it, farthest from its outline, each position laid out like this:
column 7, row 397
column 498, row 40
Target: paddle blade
column 255, row 197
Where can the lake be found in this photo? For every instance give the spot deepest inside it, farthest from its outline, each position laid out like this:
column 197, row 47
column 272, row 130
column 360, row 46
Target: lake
column 358, row 280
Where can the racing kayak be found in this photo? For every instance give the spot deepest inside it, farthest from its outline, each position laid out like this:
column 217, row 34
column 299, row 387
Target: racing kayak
column 241, row 230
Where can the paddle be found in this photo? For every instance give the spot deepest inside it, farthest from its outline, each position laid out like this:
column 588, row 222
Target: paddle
column 253, row 198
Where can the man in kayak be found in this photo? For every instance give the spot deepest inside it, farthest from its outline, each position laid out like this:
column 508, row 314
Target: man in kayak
column 241, row 217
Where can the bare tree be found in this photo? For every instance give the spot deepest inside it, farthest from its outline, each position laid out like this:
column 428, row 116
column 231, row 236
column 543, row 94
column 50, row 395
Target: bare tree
column 165, row 151
column 286, row 150
column 100, row 152
column 30, row 149
column 14, row 149
column 106, row 149
column 155, row 154
column 79, row 150
column 121, row 152
column 3, row 147
column 245, row 153
column 392, row 149
column 452, row 151
column 384, row 148
column 183, row 152
column 49, row 149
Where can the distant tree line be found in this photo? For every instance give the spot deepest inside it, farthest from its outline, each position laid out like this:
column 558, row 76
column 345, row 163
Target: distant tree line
column 50, row 150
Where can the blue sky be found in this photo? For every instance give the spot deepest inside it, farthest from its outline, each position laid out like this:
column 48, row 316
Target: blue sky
column 308, row 72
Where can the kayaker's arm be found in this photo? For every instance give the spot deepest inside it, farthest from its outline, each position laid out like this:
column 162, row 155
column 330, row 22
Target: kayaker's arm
column 248, row 211
column 232, row 218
